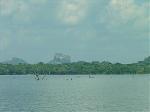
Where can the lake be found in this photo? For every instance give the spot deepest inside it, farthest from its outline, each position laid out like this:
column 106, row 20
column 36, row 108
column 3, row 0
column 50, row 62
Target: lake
column 104, row 93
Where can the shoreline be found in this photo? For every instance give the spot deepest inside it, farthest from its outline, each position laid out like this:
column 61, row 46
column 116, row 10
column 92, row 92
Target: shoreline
column 69, row 74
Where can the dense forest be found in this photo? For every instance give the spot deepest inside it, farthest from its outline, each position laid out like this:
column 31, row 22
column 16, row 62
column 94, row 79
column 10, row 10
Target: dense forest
column 141, row 67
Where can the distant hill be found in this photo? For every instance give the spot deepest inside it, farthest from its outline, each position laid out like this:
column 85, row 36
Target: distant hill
column 15, row 61
column 60, row 58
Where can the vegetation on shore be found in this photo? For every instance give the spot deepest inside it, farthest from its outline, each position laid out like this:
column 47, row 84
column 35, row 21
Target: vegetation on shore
column 142, row 67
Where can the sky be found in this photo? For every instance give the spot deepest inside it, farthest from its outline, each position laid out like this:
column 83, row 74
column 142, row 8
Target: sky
column 89, row 30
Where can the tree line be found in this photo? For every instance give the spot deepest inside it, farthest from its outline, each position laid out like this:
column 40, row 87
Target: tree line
column 142, row 67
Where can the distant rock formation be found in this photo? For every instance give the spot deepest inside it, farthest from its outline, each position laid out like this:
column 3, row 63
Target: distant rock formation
column 15, row 61
column 60, row 58
column 146, row 61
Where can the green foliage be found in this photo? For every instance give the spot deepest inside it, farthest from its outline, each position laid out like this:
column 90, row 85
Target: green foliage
column 142, row 67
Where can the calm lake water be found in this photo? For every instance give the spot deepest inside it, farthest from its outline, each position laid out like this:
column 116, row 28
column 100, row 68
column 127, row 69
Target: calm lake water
column 112, row 93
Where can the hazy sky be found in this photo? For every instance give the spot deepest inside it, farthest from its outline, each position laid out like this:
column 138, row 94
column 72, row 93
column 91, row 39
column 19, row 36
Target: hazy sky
column 112, row 30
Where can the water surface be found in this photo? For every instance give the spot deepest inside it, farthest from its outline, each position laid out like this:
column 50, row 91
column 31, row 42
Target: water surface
column 104, row 93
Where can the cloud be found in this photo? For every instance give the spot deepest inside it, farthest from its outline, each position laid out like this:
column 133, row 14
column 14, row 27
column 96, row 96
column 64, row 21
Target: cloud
column 72, row 12
column 39, row 1
column 7, row 7
column 10, row 7
column 122, row 12
column 21, row 9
